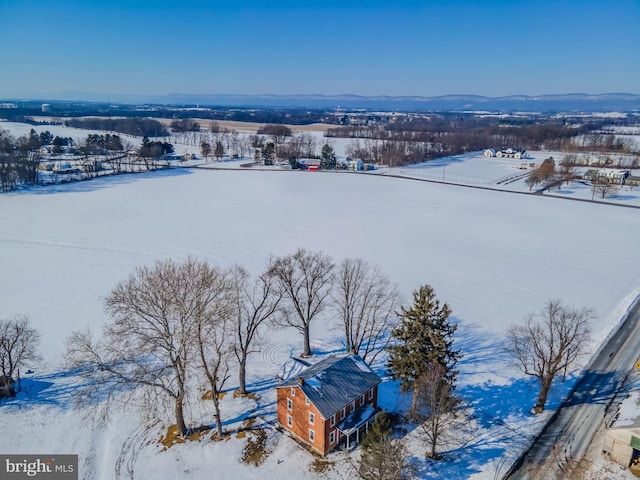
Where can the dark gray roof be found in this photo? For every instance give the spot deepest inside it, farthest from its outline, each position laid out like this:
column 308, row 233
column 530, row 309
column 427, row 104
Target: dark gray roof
column 334, row 382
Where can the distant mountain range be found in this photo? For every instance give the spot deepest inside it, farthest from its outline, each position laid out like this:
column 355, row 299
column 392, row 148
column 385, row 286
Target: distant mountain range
column 575, row 102
column 543, row 103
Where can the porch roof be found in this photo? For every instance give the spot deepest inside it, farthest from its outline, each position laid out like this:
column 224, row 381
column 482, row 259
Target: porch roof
column 356, row 419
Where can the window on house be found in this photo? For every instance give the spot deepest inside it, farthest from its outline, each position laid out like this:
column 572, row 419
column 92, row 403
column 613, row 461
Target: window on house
column 371, row 394
column 353, row 405
column 362, row 400
column 312, row 435
column 312, row 418
column 307, row 402
column 289, row 404
column 332, row 421
column 293, row 392
column 332, row 437
column 343, row 412
column 289, row 420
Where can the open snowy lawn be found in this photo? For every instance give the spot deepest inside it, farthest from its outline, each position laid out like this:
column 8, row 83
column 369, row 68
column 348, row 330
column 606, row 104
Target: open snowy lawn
column 476, row 169
column 493, row 256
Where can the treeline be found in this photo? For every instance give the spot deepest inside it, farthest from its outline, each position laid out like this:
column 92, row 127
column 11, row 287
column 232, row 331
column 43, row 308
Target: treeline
column 19, row 158
column 405, row 141
column 98, row 144
column 140, row 127
column 274, row 116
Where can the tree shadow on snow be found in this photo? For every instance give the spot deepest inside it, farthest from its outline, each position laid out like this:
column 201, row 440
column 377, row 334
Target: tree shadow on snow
column 62, row 389
column 496, row 400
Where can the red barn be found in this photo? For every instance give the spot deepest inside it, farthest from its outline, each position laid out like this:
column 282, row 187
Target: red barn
column 330, row 404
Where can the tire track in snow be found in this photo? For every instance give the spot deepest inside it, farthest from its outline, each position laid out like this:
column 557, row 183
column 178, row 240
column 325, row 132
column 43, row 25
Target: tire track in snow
column 131, row 448
column 70, row 246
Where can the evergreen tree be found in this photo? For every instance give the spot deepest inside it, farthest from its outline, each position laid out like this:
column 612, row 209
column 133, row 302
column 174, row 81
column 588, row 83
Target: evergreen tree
column 205, row 149
column 383, row 457
column 381, row 426
column 423, row 336
column 268, row 153
column 328, row 158
column 46, row 138
column 219, row 151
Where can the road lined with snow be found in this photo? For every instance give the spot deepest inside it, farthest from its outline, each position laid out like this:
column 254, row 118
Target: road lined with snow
column 573, row 427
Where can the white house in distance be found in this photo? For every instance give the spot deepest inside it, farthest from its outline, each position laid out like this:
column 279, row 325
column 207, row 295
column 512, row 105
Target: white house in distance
column 612, row 175
column 510, row 152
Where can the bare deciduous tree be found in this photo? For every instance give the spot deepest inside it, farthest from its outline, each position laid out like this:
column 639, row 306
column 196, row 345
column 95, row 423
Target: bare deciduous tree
column 533, row 179
column 18, row 344
column 549, row 343
column 149, row 342
column 603, row 188
column 568, row 167
column 214, row 343
column 254, row 303
column 366, row 302
column 437, row 407
column 305, row 278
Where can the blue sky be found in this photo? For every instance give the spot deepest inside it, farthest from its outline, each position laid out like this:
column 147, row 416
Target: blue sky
column 427, row 48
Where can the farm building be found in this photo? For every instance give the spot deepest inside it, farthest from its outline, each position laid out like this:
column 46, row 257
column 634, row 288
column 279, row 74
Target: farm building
column 609, row 175
column 622, row 440
column 510, row 152
column 356, row 165
column 331, row 404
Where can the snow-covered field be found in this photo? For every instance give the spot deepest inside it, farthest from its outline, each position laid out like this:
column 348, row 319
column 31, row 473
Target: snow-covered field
column 493, row 256
column 476, row 169
column 505, row 174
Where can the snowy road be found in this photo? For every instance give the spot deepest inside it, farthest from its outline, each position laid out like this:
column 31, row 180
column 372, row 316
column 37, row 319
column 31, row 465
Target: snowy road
column 570, row 432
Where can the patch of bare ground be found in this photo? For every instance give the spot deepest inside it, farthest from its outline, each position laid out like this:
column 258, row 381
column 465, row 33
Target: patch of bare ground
column 255, row 451
column 321, row 466
column 252, row 396
column 207, row 395
column 173, row 437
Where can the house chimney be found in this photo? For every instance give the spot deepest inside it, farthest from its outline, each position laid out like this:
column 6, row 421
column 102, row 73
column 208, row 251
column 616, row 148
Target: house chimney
column 300, row 381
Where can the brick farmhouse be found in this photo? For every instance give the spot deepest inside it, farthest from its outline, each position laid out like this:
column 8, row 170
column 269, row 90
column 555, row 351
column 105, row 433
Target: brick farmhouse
column 330, row 404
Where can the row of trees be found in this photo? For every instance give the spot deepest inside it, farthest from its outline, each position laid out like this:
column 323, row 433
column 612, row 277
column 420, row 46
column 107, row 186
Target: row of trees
column 96, row 144
column 284, row 144
column 408, row 139
column 176, row 325
column 548, row 175
column 139, row 127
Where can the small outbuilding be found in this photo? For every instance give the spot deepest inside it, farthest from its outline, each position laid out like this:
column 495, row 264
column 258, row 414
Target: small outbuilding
column 632, row 180
column 356, row 165
column 7, row 387
column 622, row 440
